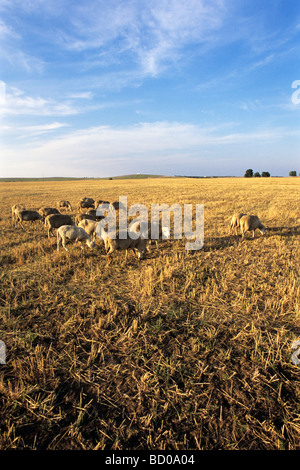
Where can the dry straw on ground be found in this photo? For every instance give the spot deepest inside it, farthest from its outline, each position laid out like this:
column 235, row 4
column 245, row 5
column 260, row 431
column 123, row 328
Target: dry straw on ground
column 177, row 351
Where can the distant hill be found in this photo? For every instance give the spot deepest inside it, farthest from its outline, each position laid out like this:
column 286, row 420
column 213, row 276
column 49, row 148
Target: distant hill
column 137, row 176
column 66, row 178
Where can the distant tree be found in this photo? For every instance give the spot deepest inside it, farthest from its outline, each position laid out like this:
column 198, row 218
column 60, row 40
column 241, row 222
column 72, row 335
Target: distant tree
column 293, row 173
column 265, row 174
column 249, row 173
column 256, row 174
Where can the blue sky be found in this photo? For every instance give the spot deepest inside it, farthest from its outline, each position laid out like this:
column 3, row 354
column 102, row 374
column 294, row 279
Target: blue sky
column 112, row 87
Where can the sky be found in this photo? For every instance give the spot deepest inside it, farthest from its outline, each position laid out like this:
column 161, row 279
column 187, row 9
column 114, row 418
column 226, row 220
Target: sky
column 100, row 88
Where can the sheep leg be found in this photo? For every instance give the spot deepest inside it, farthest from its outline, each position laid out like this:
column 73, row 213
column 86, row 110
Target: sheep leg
column 75, row 243
column 64, row 244
column 58, row 241
column 253, row 233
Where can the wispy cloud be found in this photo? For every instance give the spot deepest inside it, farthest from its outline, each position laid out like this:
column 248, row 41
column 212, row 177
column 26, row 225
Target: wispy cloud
column 15, row 102
column 152, row 33
column 146, row 147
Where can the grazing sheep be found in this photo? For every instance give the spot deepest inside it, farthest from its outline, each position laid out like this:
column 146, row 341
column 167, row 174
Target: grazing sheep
column 87, row 199
column 100, row 202
column 235, row 222
column 71, row 232
column 90, row 226
column 44, row 211
column 55, row 221
column 85, row 203
column 28, row 216
column 14, row 211
column 251, row 222
column 93, row 213
column 80, row 217
column 64, row 204
column 119, row 243
column 117, row 205
column 162, row 231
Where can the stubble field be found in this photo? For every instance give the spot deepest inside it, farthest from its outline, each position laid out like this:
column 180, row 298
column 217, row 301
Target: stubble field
column 177, row 351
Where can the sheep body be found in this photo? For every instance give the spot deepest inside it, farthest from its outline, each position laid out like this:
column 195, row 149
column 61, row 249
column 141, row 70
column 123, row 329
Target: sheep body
column 80, row 217
column 251, row 223
column 90, row 226
column 136, row 226
column 55, row 221
column 28, row 216
column 44, row 211
column 64, row 204
column 14, row 211
column 71, row 232
column 122, row 243
column 85, row 204
column 235, row 222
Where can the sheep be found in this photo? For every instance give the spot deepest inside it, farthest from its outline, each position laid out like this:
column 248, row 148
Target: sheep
column 28, row 216
column 87, row 199
column 235, row 222
column 44, row 211
column 251, row 222
column 162, row 231
column 90, row 226
column 117, row 205
column 85, row 203
column 80, row 217
column 100, row 202
column 93, row 212
column 55, row 221
column 64, row 204
column 122, row 243
column 14, row 211
column 71, row 232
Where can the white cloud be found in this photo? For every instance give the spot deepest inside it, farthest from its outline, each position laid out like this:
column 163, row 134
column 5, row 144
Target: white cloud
column 152, row 33
column 16, row 102
column 138, row 141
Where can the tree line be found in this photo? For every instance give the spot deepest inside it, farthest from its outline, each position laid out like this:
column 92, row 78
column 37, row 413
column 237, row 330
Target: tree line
column 265, row 174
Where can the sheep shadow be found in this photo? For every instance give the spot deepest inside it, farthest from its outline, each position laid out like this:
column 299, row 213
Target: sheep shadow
column 283, row 231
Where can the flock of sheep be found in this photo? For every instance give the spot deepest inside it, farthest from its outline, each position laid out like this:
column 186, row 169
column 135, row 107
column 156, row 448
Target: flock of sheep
column 85, row 229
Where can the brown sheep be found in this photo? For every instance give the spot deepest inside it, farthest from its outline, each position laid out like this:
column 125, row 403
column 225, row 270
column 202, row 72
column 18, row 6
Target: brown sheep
column 80, row 217
column 44, row 211
column 55, row 221
column 28, row 216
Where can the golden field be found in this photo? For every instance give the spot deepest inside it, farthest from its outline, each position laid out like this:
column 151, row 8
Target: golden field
column 177, row 351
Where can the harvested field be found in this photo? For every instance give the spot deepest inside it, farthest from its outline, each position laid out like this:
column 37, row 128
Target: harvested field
column 177, row 351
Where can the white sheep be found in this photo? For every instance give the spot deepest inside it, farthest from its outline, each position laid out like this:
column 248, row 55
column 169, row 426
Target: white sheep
column 158, row 228
column 90, row 226
column 251, row 223
column 14, row 212
column 235, row 222
column 71, row 232
column 132, row 242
